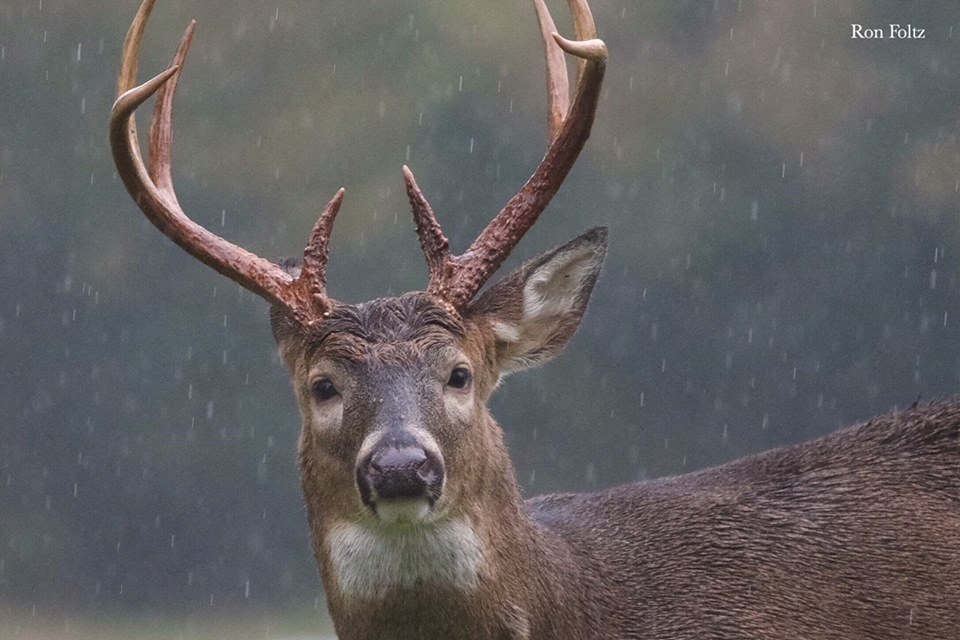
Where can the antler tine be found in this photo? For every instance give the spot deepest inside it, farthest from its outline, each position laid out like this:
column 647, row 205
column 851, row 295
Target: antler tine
column 161, row 126
column 153, row 189
column 313, row 275
column 558, row 86
column 435, row 245
column 130, row 61
column 493, row 245
column 583, row 24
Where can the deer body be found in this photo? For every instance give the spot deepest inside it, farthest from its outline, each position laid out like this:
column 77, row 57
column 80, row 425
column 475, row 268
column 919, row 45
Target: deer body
column 855, row 535
column 418, row 524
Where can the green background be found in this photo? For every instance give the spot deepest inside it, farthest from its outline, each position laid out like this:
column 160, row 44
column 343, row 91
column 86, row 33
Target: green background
column 783, row 204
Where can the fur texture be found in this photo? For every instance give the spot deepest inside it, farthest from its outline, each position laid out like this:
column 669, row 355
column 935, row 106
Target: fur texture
column 855, row 535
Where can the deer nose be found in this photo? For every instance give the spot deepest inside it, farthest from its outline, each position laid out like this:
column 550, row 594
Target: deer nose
column 406, row 472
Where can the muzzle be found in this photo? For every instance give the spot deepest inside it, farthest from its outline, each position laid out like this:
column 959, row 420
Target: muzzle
column 400, row 473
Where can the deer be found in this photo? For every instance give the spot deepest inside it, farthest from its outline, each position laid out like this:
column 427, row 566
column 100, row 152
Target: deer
column 418, row 523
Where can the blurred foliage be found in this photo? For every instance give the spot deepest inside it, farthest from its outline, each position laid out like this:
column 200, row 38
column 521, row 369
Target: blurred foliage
column 782, row 199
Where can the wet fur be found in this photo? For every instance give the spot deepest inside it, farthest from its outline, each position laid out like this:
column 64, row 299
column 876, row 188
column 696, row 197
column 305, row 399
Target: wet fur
column 855, row 535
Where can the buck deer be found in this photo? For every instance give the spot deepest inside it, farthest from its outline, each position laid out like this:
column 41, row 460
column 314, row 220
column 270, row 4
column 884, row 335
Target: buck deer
column 418, row 524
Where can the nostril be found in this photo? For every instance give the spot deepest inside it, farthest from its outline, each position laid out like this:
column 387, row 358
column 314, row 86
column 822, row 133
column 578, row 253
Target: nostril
column 427, row 470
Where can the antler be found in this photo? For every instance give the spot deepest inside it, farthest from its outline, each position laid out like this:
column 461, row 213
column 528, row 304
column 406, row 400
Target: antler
column 457, row 279
column 305, row 296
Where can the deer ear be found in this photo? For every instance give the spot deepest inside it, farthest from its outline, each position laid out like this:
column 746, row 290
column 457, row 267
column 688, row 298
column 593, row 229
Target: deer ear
column 534, row 310
column 287, row 332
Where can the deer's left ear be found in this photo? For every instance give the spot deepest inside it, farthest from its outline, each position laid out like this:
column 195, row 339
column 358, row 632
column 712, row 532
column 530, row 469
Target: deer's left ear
column 536, row 309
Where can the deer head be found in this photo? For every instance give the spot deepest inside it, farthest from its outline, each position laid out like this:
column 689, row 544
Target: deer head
column 393, row 392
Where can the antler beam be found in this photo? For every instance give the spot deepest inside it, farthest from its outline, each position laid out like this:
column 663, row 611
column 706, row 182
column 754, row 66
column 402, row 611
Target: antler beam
column 304, row 297
column 457, row 279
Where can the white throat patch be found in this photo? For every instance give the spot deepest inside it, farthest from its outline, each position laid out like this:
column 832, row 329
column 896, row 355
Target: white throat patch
column 368, row 562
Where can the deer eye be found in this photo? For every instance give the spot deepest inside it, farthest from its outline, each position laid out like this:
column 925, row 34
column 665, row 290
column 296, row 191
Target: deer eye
column 460, row 378
column 323, row 390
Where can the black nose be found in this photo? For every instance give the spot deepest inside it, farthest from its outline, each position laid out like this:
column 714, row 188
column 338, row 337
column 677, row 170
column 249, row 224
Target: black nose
column 393, row 472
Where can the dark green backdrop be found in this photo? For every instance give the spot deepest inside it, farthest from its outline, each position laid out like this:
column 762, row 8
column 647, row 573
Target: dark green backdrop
column 783, row 204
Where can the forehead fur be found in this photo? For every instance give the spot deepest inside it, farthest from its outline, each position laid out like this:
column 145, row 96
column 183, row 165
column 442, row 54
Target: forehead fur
column 413, row 317
column 400, row 319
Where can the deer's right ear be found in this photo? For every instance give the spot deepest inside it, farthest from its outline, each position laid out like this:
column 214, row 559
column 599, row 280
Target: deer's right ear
column 285, row 328
column 536, row 309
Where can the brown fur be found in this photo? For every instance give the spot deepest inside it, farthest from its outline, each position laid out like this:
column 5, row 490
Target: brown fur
column 855, row 535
